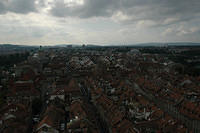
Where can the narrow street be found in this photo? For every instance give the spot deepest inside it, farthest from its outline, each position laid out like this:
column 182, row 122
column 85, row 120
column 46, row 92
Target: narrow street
column 94, row 114
column 193, row 125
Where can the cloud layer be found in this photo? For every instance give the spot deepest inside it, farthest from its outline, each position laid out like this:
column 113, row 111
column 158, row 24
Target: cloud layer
column 168, row 12
column 117, row 21
column 17, row 6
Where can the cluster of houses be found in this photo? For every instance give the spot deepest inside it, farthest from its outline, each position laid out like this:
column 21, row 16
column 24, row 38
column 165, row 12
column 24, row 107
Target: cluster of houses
column 66, row 91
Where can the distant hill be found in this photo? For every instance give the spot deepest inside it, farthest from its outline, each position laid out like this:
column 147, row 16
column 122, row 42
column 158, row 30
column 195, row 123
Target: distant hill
column 65, row 45
column 169, row 44
column 152, row 44
column 12, row 49
column 16, row 46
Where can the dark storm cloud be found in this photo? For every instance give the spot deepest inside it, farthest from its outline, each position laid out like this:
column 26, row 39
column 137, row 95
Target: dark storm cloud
column 90, row 8
column 170, row 11
column 158, row 10
column 17, row 6
column 2, row 8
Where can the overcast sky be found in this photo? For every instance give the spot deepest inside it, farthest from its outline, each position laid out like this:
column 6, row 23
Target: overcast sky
column 99, row 21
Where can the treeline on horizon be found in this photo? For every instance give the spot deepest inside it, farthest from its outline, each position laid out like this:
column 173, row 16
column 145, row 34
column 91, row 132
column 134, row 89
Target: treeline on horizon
column 191, row 68
column 11, row 59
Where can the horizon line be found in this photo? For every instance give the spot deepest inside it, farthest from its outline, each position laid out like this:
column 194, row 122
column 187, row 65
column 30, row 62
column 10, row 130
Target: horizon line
column 97, row 44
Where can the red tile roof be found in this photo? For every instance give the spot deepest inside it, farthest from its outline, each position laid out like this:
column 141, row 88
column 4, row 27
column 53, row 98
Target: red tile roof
column 72, row 86
column 58, row 92
column 125, row 126
column 52, row 117
column 76, row 109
